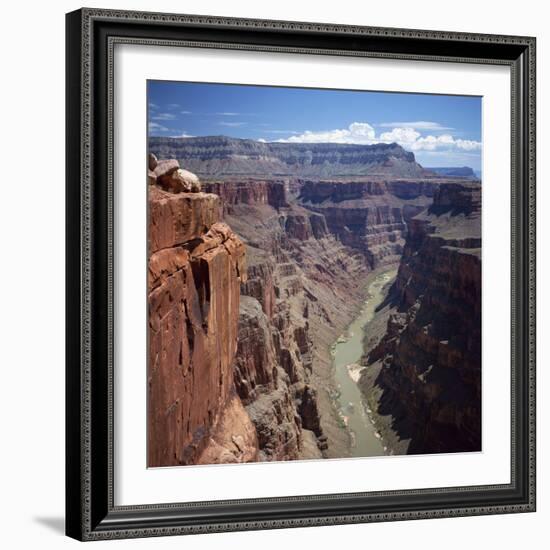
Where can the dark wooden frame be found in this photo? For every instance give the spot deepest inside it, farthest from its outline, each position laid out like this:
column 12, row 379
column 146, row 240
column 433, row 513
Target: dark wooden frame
column 90, row 510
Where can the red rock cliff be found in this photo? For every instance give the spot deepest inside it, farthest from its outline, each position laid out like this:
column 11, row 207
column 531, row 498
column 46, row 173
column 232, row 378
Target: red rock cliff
column 196, row 266
column 249, row 192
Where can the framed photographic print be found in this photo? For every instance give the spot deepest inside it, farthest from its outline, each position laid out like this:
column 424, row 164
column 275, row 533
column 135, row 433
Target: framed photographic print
column 300, row 274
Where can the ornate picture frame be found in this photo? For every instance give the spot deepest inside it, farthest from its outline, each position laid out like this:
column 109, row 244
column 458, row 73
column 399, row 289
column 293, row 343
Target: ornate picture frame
column 91, row 512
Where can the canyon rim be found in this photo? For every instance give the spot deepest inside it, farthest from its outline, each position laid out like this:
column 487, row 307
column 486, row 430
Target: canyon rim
column 313, row 274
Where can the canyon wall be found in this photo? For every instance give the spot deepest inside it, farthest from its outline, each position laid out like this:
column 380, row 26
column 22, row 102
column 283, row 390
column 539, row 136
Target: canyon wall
column 370, row 215
column 195, row 268
column 423, row 377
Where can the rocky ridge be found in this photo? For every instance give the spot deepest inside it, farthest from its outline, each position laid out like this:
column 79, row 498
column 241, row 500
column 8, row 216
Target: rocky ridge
column 454, row 171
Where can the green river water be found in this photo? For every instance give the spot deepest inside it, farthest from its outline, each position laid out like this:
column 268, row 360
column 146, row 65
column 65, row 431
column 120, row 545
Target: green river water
column 346, row 351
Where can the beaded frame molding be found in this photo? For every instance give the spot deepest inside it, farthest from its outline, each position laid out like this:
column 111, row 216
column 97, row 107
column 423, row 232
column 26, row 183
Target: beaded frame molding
column 91, row 37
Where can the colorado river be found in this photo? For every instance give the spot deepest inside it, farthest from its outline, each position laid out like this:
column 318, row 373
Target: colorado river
column 346, row 352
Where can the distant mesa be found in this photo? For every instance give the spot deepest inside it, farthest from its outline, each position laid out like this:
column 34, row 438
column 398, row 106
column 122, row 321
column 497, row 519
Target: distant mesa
column 454, row 171
column 221, row 156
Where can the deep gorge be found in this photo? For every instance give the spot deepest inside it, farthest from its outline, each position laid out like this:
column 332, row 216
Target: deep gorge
column 252, row 279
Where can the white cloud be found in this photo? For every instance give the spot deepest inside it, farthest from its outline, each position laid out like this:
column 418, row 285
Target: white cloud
column 407, row 136
column 232, row 124
column 185, row 112
column 417, row 125
column 173, row 105
column 444, row 142
column 182, row 135
column 156, row 127
column 468, row 144
column 400, row 135
column 281, row 131
column 232, row 113
column 164, row 116
column 357, row 132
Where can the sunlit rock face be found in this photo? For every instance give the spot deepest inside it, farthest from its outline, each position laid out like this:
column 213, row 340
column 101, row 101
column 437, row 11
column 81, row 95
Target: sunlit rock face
column 196, row 266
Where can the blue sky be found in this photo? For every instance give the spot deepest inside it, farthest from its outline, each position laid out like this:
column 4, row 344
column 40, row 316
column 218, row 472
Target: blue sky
column 441, row 130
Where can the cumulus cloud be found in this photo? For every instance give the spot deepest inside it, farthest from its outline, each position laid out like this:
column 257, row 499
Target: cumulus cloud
column 357, row 132
column 444, row 142
column 400, row 135
column 409, row 137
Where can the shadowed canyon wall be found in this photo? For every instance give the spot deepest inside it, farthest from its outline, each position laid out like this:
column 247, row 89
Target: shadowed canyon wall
column 423, row 378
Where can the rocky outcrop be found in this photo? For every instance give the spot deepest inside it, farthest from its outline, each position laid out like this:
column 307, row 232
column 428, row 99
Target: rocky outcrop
column 423, row 378
column 196, row 265
column 221, row 156
column 273, row 365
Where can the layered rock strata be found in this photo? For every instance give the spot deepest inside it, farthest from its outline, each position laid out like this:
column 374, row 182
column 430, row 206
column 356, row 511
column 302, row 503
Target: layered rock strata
column 423, row 377
column 222, row 156
column 369, row 215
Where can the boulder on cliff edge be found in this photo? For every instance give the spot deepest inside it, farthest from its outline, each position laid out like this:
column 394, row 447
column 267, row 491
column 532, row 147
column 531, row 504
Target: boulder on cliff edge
column 174, row 179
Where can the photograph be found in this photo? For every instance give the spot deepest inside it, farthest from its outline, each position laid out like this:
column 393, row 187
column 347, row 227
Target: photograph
column 314, row 273
column 275, row 287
